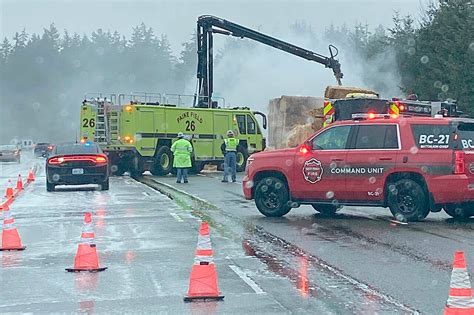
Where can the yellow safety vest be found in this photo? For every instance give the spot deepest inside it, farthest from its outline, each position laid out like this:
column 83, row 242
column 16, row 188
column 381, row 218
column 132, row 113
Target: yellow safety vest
column 231, row 144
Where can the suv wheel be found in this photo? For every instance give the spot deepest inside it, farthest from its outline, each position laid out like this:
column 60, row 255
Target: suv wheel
column 407, row 199
column 49, row 186
column 326, row 210
column 272, row 197
column 458, row 211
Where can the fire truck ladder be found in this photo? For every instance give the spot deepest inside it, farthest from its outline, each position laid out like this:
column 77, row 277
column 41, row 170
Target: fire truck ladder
column 101, row 126
column 107, row 124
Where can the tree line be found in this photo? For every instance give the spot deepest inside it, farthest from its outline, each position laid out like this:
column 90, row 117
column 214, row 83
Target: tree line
column 43, row 76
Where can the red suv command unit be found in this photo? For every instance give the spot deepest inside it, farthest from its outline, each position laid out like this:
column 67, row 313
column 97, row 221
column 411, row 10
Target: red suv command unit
column 413, row 165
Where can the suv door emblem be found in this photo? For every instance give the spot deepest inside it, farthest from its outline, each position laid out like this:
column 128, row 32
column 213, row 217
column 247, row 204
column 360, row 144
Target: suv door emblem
column 312, row 171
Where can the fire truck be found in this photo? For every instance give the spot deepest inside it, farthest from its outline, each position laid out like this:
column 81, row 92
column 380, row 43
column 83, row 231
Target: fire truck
column 137, row 134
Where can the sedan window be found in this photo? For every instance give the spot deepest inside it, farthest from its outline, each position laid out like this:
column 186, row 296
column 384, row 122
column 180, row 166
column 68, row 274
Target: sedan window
column 77, row 148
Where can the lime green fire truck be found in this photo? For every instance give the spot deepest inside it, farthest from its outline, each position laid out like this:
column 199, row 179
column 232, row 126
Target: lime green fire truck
column 137, row 134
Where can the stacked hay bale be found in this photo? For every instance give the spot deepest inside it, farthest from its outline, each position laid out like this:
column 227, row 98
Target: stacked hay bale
column 334, row 92
column 292, row 118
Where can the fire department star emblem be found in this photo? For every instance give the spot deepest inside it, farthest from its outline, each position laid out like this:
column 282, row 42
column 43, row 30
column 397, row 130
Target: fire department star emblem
column 312, row 171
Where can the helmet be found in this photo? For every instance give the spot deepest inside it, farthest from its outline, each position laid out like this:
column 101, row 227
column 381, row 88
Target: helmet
column 180, row 135
column 230, row 133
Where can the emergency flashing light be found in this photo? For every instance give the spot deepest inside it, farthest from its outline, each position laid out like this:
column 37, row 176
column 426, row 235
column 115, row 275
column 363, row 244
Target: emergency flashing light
column 87, row 144
column 394, row 116
column 401, row 107
column 128, row 139
column 305, row 149
column 128, row 108
column 372, row 116
column 83, row 140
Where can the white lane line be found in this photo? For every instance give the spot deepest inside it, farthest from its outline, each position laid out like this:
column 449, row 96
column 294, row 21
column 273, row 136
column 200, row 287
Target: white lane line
column 247, row 280
column 145, row 193
column 177, row 217
column 182, row 191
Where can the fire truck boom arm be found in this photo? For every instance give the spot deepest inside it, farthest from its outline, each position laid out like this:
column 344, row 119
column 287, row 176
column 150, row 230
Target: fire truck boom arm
column 207, row 25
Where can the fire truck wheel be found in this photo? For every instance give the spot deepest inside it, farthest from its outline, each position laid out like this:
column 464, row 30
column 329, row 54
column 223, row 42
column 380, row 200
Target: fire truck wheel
column 241, row 159
column 326, row 210
column 407, row 200
column 458, row 211
column 272, row 197
column 163, row 161
column 136, row 168
column 197, row 167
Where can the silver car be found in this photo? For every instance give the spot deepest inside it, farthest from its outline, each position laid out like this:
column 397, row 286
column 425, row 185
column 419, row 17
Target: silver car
column 10, row 153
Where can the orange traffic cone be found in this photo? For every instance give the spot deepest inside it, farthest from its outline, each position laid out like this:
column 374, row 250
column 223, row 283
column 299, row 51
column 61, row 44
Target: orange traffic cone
column 10, row 238
column 9, row 192
column 31, row 176
column 203, row 279
column 460, row 300
column 86, row 257
column 3, row 205
column 19, row 183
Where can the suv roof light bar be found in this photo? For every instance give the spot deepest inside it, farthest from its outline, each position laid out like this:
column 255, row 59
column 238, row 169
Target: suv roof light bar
column 370, row 116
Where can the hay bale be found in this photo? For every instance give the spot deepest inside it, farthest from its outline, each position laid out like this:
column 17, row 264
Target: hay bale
column 299, row 134
column 341, row 91
column 285, row 113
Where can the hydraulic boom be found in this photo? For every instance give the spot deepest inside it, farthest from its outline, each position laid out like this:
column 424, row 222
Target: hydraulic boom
column 207, row 25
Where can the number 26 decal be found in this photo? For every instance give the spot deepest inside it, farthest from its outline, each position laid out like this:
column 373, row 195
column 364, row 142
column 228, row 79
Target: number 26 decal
column 88, row 123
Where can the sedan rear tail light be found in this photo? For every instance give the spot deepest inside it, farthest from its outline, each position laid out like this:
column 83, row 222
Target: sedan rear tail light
column 96, row 159
column 459, row 165
column 100, row 159
column 55, row 161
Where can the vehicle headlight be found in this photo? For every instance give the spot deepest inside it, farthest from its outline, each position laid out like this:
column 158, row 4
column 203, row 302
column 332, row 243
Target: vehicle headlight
column 249, row 161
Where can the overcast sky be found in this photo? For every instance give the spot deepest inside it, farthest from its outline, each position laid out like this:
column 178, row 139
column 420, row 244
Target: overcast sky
column 177, row 18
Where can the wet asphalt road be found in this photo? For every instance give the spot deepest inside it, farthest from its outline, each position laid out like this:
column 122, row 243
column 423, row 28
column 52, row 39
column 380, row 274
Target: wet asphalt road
column 146, row 240
column 357, row 262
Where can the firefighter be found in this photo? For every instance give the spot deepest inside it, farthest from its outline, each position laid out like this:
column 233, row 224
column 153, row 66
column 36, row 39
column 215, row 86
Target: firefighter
column 229, row 149
column 182, row 150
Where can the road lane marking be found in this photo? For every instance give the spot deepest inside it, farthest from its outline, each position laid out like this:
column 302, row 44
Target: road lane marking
column 247, row 280
column 145, row 193
column 177, row 217
column 182, row 191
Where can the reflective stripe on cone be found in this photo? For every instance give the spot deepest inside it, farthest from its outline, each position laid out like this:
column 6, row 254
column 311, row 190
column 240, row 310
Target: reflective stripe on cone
column 460, row 300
